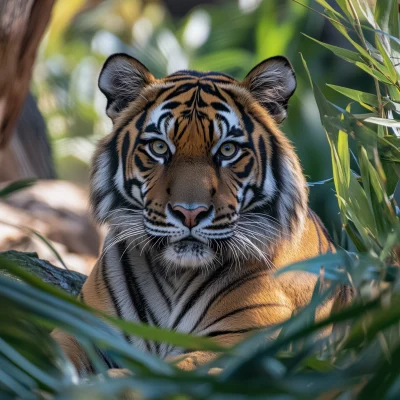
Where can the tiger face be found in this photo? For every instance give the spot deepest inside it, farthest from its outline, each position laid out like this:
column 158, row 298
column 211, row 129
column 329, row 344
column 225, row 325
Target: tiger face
column 196, row 171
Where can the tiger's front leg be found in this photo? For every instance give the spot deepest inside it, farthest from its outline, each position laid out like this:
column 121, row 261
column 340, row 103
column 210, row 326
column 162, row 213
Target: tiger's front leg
column 193, row 360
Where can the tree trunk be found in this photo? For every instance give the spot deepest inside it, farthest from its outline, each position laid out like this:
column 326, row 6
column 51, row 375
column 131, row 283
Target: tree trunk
column 22, row 25
column 69, row 281
column 28, row 153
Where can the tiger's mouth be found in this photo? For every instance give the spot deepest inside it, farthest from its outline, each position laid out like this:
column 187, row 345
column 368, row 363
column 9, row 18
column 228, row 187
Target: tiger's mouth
column 189, row 253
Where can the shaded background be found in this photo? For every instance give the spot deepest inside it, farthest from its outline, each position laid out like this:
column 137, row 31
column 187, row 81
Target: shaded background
column 226, row 36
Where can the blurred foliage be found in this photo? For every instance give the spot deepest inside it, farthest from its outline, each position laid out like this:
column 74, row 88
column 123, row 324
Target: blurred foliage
column 360, row 359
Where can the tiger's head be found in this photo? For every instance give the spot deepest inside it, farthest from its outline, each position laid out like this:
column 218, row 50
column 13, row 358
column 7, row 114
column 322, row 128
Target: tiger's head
column 196, row 170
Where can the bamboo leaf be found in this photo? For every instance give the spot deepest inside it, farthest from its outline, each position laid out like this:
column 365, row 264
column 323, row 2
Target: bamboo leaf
column 387, row 61
column 345, row 54
column 343, row 5
column 327, row 6
column 391, row 123
column 357, row 95
column 311, row 184
column 386, row 14
column 344, row 155
column 72, row 305
column 386, row 374
column 374, row 73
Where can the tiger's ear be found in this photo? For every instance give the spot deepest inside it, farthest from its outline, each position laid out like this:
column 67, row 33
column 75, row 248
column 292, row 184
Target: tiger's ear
column 272, row 83
column 121, row 80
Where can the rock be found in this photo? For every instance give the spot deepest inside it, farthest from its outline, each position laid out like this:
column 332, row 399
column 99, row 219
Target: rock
column 58, row 211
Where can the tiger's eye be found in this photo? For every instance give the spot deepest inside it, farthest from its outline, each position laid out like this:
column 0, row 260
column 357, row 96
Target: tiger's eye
column 228, row 150
column 159, row 147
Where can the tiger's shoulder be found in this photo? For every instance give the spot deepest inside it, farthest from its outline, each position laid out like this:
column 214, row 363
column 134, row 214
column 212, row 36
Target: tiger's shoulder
column 313, row 241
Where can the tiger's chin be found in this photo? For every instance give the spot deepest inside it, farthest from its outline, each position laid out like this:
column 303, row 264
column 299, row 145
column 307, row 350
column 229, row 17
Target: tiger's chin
column 189, row 254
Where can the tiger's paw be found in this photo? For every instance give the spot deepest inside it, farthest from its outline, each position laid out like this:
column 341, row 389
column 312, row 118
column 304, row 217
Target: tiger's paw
column 191, row 361
column 126, row 394
column 119, row 373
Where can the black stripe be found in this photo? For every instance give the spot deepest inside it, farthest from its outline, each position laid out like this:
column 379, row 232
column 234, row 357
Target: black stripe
column 224, row 292
column 217, row 93
column 152, row 128
column 171, row 105
column 324, row 230
column 225, row 121
column 263, row 157
column 215, row 80
column 319, row 236
column 242, row 309
column 137, row 299
column 219, row 106
column 198, row 293
column 107, row 359
column 177, row 80
column 111, row 292
column 140, row 166
column 248, row 123
column 186, row 287
column 167, row 114
column 157, row 282
column 210, row 131
column 176, row 130
column 180, row 90
column 232, row 332
column 165, row 277
column 247, row 169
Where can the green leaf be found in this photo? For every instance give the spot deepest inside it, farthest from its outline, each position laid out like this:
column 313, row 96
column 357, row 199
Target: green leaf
column 388, row 146
column 318, row 364
column 386, row 374
column 16, row 186
column 344, row 155
column 20, row 361
column 311, row 184
column 325, row 108
column 387, row 17
column 374, row 73
column 367, row 54
column 356, row 58
column 166, row 336
column 366, row 330
column 343, row 5
column 386, row 59
column 345, row 54
column 391, row 123
column 332, row 263
column 74, row 320
column 140, row 330
column 356, row 95
column 327, row 6
column 352, row 199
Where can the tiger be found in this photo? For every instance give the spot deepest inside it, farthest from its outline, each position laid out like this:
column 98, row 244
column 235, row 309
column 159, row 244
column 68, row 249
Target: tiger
column 204, row 199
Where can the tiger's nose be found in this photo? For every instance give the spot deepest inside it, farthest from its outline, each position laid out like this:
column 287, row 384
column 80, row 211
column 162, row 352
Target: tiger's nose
column 190, row 217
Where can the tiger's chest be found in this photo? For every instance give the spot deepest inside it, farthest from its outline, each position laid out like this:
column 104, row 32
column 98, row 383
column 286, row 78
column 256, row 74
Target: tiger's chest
column 224, row 299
